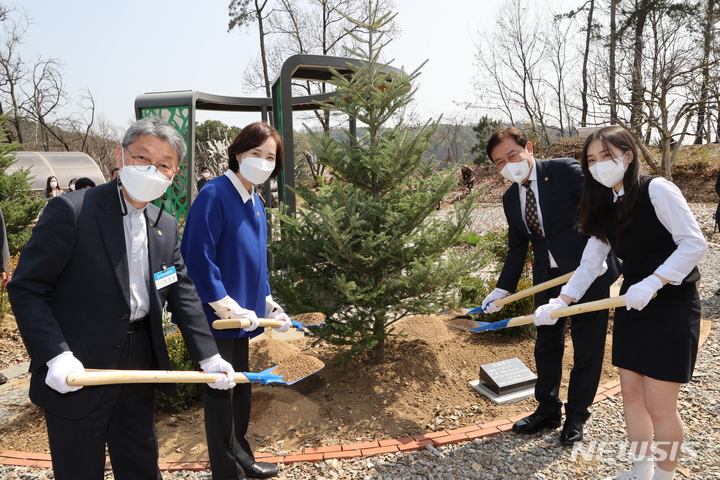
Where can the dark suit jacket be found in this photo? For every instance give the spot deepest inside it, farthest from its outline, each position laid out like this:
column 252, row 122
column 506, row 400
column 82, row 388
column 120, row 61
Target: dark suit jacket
column 560, row 183
column 70, row 291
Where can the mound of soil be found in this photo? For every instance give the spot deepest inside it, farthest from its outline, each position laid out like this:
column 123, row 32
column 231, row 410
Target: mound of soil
column 422, row 387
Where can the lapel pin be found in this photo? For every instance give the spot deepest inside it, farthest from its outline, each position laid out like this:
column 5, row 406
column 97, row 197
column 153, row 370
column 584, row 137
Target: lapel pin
column 546, row 179
column 159, row 233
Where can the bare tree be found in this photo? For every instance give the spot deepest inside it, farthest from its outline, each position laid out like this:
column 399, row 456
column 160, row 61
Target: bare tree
column 245, row 12
column 13, row 71
column 513, row 55
column 708, row 32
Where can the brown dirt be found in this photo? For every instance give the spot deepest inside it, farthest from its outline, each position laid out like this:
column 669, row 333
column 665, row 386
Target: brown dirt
column 422, row 387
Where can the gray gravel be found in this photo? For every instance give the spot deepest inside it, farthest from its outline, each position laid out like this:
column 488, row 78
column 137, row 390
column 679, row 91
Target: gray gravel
column 541, row 456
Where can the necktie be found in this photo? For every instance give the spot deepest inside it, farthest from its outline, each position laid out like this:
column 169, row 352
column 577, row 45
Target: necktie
column 531, row 211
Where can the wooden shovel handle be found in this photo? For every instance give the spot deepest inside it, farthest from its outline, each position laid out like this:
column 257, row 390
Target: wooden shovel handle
column 226, row 323
column 534, row 289
column 112, row 377
column 611, row 302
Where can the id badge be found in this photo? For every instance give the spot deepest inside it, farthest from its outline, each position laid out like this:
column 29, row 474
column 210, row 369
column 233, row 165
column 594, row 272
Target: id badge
column 165, row 277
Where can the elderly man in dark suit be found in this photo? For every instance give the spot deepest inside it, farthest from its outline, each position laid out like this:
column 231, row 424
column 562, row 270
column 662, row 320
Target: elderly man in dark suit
column 540, row 208
column 87, row 294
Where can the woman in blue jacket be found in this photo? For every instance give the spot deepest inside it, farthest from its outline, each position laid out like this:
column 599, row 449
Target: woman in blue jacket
column 225, row 248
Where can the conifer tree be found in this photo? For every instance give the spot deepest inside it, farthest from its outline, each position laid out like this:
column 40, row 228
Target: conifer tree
column 20, row 208
column 369, row 247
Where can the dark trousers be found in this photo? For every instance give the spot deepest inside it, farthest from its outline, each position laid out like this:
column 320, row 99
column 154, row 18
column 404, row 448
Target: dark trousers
column 124, row 419
column 588, row 332
column 227, row 415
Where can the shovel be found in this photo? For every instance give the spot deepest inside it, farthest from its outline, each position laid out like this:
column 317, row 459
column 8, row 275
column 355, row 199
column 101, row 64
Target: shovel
column 114, row 377
column 603, row 304
column 526, row 293
column 225, row 323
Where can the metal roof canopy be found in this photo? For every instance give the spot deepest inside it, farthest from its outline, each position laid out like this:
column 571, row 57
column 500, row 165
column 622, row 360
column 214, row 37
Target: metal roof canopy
column 62, row 165
column 296, row 67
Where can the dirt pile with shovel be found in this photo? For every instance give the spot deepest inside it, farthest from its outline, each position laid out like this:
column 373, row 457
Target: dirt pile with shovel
column 423, row 387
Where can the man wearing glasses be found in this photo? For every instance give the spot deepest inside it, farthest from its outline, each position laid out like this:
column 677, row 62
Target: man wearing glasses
column 89, row 292
column 540, row 207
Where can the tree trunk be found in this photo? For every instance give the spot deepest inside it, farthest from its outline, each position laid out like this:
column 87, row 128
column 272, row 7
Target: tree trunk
column 636, row 96
column 612, row 69
column 704, row 87
column 588, row 36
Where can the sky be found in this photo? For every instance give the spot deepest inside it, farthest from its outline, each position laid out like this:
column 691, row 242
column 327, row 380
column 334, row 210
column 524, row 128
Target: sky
column 121, row 49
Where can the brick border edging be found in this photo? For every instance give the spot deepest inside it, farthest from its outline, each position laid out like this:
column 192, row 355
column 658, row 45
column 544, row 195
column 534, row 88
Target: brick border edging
column 354, row 450
column 317, row 454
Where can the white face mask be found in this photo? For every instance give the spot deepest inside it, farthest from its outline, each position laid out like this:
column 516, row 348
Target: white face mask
column 72, row 187
column 256, row 170
column 53, row 184
column 516, row 171
column 206, row 175
column 143, row 185
column 610, row 172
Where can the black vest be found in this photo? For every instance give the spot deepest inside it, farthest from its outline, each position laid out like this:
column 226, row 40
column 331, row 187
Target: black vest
column 645, row 245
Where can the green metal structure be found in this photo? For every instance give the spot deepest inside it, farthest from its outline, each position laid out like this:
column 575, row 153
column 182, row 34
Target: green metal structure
column 179, row 109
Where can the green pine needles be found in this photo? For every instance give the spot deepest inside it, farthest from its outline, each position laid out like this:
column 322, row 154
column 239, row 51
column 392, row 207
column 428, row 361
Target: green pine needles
column 369, row 247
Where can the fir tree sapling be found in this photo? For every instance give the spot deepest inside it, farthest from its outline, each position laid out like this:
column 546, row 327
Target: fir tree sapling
column 368, row 247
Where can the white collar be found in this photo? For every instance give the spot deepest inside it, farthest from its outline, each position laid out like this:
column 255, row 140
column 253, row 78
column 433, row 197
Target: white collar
column 618, row 194
column 244, row 194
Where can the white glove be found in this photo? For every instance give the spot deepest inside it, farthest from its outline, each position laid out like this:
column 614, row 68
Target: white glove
column 216, row 364
column 640, row 294
column 226, row 307
column 496, row 294
column 248, row 315
column 59, row 368
column 281, row 315
column 542, row 314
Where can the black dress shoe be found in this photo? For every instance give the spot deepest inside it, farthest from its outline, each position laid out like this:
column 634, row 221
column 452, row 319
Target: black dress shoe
column 3, row 379
column 261, row 470
column 572, row 432
column 535, row 422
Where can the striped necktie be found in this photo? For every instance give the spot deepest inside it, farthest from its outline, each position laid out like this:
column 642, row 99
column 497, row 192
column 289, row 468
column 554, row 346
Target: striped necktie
column 531, row 211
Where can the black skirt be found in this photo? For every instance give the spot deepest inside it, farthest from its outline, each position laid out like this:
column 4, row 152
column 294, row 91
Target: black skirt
column 661, row 340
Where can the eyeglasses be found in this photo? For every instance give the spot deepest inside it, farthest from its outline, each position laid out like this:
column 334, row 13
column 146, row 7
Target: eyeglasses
column 142, row 164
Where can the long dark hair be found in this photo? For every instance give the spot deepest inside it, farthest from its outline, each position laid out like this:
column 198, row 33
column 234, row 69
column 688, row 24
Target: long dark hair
column 252, row 136
column 595, row 212
column 48, row 189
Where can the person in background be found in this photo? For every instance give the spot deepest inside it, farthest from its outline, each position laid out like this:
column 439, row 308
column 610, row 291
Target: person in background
column 647, row 223
column 225, row 247
column 112, row 251
column 71, row 185
column 52, row 189
column 84, row 182
column 5, row 274
column 204, row 177
column 114, row 173
column 540, row 207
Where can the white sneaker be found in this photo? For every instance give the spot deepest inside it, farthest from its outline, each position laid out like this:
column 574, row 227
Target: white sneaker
column 625, row 475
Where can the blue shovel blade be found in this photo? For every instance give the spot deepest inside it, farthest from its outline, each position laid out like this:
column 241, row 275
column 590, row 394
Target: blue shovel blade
column 265, row 377
column 492, row 326
column 302, row 325
column 479, row 309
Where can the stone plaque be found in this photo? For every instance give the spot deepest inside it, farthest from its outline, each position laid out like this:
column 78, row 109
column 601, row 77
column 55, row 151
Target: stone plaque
column 506, row 376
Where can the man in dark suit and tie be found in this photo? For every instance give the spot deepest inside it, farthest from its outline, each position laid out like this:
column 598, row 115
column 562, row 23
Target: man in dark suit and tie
column 89, row 292
column 554, row 186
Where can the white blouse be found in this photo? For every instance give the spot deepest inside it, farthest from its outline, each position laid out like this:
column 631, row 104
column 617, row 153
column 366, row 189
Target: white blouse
column 673, row 212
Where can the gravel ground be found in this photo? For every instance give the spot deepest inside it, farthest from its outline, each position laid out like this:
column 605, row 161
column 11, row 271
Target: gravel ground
column 541, row 456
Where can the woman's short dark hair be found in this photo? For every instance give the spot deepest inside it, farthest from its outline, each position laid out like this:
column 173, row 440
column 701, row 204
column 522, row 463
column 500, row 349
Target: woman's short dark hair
column 253, row 136
column 500, row 135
